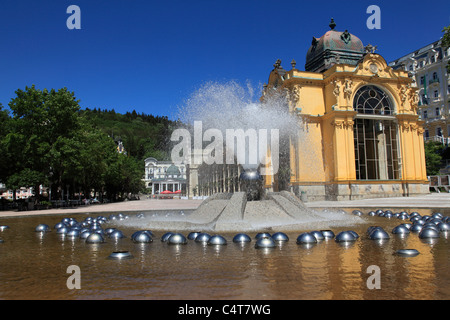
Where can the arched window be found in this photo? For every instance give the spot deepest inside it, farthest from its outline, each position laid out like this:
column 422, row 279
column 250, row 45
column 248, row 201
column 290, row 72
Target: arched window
column 372, row 100
column 377, row 154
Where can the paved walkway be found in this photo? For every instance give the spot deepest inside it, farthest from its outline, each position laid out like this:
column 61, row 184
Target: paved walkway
column 433, row 200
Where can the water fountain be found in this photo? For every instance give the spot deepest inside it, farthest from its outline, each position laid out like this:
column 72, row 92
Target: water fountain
column 229, row 106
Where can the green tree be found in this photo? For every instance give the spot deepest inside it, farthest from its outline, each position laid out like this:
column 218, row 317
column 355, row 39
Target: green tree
column 446, row 42
column 433, row 157
column 41, row 121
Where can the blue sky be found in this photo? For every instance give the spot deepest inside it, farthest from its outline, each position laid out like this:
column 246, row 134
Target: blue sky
column 152, row 55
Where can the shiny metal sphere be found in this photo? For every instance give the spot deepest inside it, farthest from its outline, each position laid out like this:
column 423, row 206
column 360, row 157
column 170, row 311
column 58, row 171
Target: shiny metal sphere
column 203, row 237
column 120, row 255
column 241, row 238
column 116, row 234
column 345, row 236
column 328, row 234
column 372, row 213
column 166, row 236
column 318, row 235
column 280, row 236
column 354, row 234
column 357, row 213
column 400, row 230
column 42, row 228
column 378, row 233
column 416, row 228
column 95, row 238
column 193, row 235
column 85, row 234
column 59, row 225
column 262, row 235
column 217, row 240
column 407, row 225
column 437, row 215
column 265, row 242
column 177, row 238
column 62, row 230
column 388, row 215
column 444, row 227
column 141, row 237
column 306, row 238
column 407, row 252
column 3, row 228
column 109, row 230
column 73, row 233
column 428, row 233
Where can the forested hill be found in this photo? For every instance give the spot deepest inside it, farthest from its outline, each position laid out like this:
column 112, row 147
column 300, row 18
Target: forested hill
column 142, row 135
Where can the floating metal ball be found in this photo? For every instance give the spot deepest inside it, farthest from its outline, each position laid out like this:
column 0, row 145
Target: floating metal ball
column 428, row 233
column 306, row 238
column 109, row 230
column 177, row 238
column 345, row 236
column 318, row 235
column 372, row 213
column 378, row 212
column 416, row 228
column 400, row 230
column 217, row 240
column 241, row 238
column 437, row 215
column 116, row 234
column 73, row 233
column 407, row 225
column 262, row 235
column 444, row 227
column 265, row 242
column 357, row 213
column 378, row 233
column 280, row 236
column 95, row 238
column 166, row 236
column 193, row 235
column 120, row 255
column 328, row 234
column 59, row 225
column 3, row 228
column 85, row 234
column 388, row 215
column 62, row 230
column 42, row 228
column 407, row 252
column 203, row 237
column 141, row 237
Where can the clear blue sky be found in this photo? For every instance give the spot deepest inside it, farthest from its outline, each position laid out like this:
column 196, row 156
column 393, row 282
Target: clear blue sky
column 151, row 55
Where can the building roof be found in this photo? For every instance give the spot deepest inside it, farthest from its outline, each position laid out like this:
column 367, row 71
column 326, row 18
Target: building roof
column 333, row 47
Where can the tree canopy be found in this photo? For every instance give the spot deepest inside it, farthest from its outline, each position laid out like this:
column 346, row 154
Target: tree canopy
column 46, row 139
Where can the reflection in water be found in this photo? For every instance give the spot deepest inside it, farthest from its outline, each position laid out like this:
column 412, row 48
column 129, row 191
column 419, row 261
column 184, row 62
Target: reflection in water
column 33, row 266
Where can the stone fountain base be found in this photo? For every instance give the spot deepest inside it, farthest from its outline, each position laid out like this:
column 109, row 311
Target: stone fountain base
column 230, row 212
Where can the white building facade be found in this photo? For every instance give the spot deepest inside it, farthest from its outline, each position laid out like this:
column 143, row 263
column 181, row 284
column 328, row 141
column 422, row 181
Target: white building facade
column 428, row 67
column 165, row 176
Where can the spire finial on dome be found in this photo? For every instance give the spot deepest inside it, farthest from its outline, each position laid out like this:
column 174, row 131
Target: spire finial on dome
column 332, row 24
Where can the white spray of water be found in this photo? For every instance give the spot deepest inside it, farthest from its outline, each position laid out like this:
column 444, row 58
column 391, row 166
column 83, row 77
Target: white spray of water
column 230, row 106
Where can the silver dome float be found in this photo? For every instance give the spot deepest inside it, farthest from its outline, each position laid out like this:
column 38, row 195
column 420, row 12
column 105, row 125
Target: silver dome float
column 217, row 240
column 177, row 238
column 241, row 238
column 306, row 238
column 95, row 238
column 42, row 228
column 120, row 255
column 265, row 242
column 407, row 252
column 280, row 236
column 345, row 236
